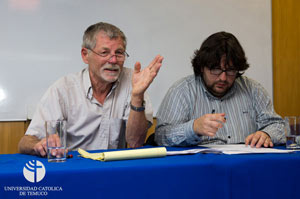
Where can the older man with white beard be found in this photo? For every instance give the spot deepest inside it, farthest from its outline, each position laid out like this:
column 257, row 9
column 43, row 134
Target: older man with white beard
column 105, row 104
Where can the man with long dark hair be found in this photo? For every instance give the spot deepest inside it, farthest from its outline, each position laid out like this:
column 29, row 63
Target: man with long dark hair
column 217, row 104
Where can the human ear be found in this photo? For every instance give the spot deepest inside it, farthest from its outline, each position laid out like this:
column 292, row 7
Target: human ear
column 85, row 55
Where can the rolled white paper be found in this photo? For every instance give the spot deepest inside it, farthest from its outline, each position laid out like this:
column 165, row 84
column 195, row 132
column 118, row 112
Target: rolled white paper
column 126, row 154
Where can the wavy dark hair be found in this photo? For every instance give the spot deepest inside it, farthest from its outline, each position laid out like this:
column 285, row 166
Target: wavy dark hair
column 214, row 47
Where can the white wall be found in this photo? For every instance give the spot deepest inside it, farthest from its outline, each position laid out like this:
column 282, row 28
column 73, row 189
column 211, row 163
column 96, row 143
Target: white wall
column 40, row 41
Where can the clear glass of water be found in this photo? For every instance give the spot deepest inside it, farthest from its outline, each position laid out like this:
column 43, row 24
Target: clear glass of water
column 292, row 132
column 56, row 134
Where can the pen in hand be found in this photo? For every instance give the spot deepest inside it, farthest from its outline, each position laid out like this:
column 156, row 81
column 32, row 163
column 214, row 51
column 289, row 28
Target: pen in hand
column 213, row 111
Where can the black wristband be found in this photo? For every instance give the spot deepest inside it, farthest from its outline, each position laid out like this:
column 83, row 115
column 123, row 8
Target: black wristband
column 138, row 109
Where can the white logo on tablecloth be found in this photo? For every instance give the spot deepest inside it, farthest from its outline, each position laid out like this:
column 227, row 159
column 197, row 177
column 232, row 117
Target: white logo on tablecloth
column 34, row 171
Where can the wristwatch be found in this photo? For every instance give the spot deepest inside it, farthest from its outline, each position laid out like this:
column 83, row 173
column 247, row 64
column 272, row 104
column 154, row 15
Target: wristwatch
column 138, row 109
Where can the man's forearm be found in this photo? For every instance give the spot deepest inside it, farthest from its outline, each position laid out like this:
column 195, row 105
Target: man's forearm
column 181, row 134
column 136, row 129
column 26, row 144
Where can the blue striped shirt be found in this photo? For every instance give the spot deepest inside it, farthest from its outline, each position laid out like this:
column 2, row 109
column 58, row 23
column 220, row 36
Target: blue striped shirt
column 247, row 106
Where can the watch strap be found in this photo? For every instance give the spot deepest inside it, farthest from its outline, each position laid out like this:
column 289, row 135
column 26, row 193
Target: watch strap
column 138, row 109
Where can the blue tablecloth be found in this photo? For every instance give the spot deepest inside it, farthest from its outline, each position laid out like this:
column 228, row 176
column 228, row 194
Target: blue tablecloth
column 184, row 176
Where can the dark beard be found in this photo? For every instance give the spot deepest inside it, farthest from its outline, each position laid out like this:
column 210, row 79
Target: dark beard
column 211, row 90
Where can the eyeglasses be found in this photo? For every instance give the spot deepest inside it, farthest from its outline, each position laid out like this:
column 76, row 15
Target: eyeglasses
column 120, row 56
column 219, row 71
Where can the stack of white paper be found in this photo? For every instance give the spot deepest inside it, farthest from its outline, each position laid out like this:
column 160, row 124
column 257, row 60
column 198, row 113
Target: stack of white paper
column 229, row 149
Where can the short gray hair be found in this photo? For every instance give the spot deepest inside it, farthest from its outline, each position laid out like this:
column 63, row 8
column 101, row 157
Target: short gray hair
column 113, row 32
